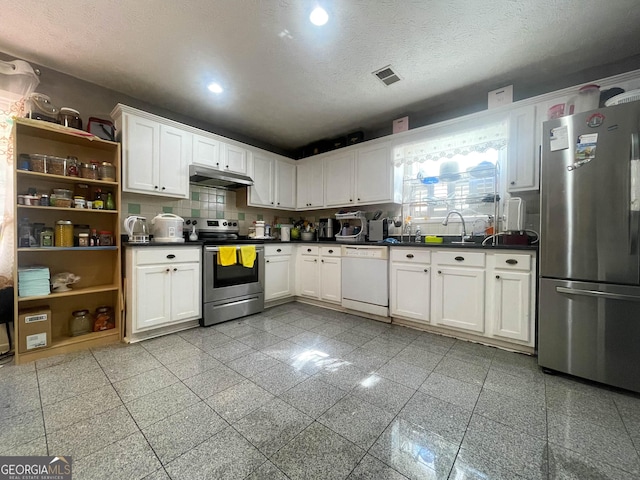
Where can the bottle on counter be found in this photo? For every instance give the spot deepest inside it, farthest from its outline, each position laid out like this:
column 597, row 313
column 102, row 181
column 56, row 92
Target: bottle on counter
column 418, row 236
column 94, row 240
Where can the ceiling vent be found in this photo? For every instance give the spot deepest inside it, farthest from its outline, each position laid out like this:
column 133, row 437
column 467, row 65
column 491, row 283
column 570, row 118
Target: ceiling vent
column 387, row 75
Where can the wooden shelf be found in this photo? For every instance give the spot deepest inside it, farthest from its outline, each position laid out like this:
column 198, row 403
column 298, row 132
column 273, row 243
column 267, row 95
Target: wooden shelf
column 63, row 178
column 65, row 209
column 63, row 249
column 72, row 292
column 64, row 341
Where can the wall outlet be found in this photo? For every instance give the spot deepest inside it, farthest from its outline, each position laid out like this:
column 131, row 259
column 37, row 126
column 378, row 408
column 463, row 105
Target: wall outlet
column 501, row 96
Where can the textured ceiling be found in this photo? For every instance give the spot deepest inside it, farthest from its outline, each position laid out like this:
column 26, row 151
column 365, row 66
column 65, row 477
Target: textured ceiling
column 314, row 82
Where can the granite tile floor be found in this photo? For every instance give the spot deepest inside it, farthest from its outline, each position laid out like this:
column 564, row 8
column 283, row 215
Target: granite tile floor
column 300, row 392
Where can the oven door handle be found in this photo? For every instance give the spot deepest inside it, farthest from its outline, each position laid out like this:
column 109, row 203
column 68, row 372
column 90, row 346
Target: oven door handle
column 211, row 248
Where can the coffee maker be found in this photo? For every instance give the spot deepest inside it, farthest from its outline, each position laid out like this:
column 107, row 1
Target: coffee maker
column 327, row 228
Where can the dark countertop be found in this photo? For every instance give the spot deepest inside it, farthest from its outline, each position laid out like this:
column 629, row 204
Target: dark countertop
column 413, row 245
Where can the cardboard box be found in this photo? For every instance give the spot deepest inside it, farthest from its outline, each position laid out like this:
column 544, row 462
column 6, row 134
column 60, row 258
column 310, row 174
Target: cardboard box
column 34, row 330
column 401, row 124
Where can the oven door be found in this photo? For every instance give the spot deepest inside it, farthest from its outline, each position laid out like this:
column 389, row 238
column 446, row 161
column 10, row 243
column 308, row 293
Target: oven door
column 224, row 283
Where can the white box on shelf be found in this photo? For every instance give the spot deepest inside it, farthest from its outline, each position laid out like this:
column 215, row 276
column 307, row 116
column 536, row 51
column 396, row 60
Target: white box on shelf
column 501, row 96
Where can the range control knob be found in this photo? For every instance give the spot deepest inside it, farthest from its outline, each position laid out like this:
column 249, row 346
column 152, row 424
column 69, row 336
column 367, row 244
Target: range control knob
column 235, row 224
column 195, row 222
column 224, row 224
column 188, row 222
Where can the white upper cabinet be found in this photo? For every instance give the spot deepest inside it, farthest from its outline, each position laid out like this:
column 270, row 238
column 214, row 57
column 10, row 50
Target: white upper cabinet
column 374, row 174
column 175, row 154
column 155, row 157
column 523, row 163
column 338, row 179
column 206, row 151
column 234, row 158
column 310, row 187
column 274, row 182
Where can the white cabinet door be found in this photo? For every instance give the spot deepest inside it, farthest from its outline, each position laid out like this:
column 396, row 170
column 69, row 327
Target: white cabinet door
column 309, row 277
column 330, row 279
column 234, row 159
column 285, row 184
column 374, row 174
column 278, row 278
column 523, row 168
column 186, row 302
column 261, row 193
column 338, row 179
column 511, row 304
column 310, row 187
column 141, row 154
column 206, row 152
column 175, row 155
column 153, row 296
column 458, row 298
column 410, row 287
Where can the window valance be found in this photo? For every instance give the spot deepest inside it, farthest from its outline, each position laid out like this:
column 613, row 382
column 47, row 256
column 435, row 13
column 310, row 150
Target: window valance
column 481, row 139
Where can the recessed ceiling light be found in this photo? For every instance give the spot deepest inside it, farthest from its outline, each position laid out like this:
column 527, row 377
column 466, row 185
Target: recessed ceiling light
column 215, row 88
column 319, row 16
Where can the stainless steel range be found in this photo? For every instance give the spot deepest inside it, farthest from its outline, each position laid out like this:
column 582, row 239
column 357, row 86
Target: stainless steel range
column 231, row 291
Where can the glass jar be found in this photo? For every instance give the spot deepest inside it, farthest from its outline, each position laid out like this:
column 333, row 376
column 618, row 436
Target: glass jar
column 105, row 238
column 64, row 233
column 81, row 323
column 104, row 319
column 107, row 172
column 73, row 167
column 83, row 240
column 89, row 171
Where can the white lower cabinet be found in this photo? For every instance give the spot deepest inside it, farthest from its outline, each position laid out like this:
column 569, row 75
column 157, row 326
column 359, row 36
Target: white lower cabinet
column 279, row 272
column 319, row 273
column 486, row 293
column 163, row 287
column 330, row 274
column 511, row 288
column 410, row 284
column 308, row 273
column 458, row 290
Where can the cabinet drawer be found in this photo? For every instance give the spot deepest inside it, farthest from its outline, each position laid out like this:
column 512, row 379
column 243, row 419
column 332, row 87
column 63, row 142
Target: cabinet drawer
column 309, row 250
column 416, row 255
column 462, row 258
column 508, row 261
column 152, row 255
column 275, row 250
column 330, row 251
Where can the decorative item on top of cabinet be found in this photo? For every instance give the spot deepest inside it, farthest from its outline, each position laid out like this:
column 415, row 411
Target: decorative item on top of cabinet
column 98, row 268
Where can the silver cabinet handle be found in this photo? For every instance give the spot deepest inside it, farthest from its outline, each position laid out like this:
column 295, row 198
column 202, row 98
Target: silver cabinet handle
column 597, row 294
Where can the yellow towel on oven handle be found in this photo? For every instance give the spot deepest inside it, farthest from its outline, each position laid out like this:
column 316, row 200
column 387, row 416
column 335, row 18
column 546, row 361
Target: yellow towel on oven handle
column 248, row 255
column 227, row 256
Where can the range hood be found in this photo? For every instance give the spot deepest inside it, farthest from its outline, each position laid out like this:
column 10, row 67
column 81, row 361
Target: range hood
column 217, row 178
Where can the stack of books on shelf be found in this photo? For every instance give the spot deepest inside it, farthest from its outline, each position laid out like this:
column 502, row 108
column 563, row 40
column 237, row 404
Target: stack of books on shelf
column 33, row 281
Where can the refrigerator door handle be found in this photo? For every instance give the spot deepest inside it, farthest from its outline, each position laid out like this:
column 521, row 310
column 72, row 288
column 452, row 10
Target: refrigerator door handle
column 634, row 193
column 598, row 294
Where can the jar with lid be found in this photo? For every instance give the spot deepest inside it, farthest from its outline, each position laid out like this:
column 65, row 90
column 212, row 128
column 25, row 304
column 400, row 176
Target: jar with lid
column 70, row 117
column 81, row 323
column 89, row 171
column 64, row 233
column 105, row 238
column 73, row 167
column 107, row 172
column 104, row 319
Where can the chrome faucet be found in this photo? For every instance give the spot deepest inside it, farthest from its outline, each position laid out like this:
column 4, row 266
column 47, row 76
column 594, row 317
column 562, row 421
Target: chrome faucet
column 445, row 222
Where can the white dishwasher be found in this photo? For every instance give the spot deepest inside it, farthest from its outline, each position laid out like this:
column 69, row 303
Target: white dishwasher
column 365, row 280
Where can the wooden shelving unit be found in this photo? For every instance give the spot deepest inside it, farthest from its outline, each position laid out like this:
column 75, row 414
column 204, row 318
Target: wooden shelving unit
column 98, row 267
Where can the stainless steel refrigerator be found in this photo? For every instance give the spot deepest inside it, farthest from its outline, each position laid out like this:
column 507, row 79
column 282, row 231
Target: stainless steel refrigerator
column 589, row 295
